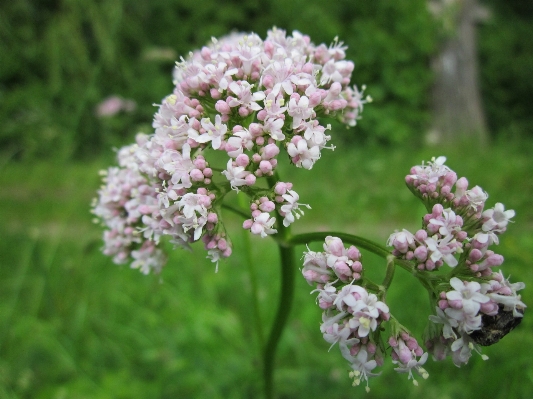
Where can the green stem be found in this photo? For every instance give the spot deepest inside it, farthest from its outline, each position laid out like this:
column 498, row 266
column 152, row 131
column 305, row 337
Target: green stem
column 237, row 211
column 391, row 267
column 258, row 325
column 288, row 269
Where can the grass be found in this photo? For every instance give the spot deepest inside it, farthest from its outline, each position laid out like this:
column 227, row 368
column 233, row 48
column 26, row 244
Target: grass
column 74, row 325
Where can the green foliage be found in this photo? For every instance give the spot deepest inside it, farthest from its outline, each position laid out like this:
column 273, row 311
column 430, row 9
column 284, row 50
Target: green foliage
column 74, row 325
column 506, row 55
column 63, row 57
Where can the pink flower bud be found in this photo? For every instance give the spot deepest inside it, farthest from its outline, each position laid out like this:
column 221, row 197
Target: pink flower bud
column 222, row 107
column 242, row 160
column 268, row 81
column 357, row 267
column 443, row 304
column 267, row 206
column 265, row 167
column 421, row 235
column 256, row 129
column 196, row 175
column 280, row 188
column 222, row 244
column 437, row 210
column 247, row 224
column 354, row 254
column 334, row 246
column 227, row 252
column 250, row 180
column 475, row 255
column 270, row 151
column 314, row 99
column 243, row 111
column 215, row 94
column 421, row 253
column 261, row 115
column 212, row 218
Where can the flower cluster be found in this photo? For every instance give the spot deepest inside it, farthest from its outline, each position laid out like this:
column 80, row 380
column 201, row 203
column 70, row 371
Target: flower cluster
column 352, row 315
column 458, row 232
column 247, row 99
column 475, row 305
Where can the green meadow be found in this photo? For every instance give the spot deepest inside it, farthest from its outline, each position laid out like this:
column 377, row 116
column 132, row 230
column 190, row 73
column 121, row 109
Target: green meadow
column 75, row 325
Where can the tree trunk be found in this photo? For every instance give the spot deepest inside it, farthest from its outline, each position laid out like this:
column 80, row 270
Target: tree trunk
column 457, row 108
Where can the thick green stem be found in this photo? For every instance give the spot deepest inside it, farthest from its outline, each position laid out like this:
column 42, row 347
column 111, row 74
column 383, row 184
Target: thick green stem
column 288, row 269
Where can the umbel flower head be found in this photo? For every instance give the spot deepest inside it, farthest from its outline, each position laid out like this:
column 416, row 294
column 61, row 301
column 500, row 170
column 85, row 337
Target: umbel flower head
column 252, row 101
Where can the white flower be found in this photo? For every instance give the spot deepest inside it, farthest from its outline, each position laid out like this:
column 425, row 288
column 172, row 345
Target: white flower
column 273, row 127
column 401, row 240
column 236, row 175
column 496, row 218
column 263, row 225
column 469, row 295
column 477, row 197
column 243, row 90
column 299, row 110
column 448, row 324
column 413, row 364
column 362, row 365
column 441, row 249
column 291, row 207
column 214, row 133
column 302, row 155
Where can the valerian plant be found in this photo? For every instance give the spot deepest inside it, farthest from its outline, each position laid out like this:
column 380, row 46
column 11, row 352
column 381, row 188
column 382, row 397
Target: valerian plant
column 258, row 102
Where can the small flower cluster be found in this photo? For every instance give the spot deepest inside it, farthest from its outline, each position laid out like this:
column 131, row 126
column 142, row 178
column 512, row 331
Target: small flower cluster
column 458, row 225
column 247, row 99
column 353, row 316
column 462, row 226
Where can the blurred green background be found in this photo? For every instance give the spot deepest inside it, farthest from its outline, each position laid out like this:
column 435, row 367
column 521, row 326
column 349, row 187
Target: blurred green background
column 74, row 325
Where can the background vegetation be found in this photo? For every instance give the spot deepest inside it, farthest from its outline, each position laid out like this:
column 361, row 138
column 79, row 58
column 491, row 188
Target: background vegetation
column 73, row 325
